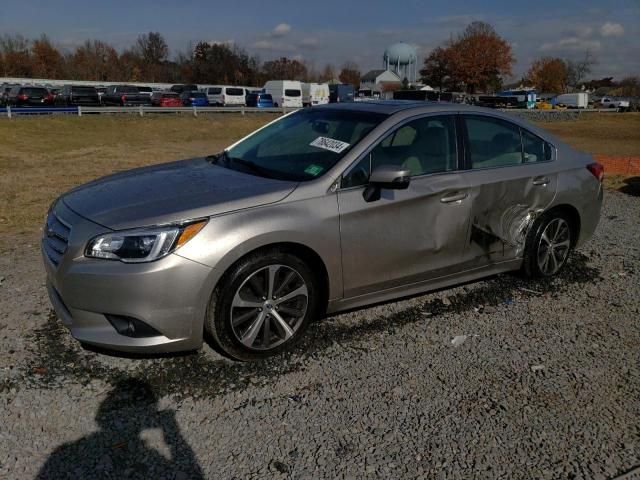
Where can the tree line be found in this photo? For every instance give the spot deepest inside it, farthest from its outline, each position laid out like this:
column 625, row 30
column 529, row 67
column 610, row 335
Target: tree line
column 479, row 60
column 148, row 60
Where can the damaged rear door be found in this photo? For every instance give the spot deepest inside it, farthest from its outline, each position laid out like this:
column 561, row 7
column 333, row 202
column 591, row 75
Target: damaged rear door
column 513, row 179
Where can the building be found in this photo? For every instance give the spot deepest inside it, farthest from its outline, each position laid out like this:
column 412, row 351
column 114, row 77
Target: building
column 381, row 80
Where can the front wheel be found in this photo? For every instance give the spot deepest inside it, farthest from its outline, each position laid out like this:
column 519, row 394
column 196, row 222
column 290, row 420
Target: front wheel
column 548, row 245
column 263, row 305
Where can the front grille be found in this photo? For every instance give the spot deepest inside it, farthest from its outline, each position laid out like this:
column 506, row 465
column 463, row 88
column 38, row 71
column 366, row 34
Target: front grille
column 56, row 237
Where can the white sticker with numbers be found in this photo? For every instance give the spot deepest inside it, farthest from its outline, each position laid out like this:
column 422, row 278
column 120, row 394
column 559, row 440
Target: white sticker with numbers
column 330, row 144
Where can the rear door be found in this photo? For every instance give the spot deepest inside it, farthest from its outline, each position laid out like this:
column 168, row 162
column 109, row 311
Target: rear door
column 407, row 235
column 512, row 178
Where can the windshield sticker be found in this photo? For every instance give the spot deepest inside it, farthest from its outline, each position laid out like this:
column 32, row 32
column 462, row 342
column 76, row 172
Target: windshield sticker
column 313, row 170
column 335, row 146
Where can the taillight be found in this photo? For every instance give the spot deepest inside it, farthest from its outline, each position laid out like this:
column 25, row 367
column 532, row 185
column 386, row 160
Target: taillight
column 123, row 98
column 597, row 170
column 22, row 96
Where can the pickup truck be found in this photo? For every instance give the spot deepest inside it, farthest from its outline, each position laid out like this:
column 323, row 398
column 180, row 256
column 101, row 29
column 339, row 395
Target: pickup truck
column 125, row 95
column 608, row 102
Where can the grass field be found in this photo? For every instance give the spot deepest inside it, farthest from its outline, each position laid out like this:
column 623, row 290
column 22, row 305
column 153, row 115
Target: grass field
column 43, row 157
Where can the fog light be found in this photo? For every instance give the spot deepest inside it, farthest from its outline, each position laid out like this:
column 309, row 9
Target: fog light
column 131, row 327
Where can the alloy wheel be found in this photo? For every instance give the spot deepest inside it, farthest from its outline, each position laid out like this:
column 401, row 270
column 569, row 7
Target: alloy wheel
column 554, row 246
column 269, row 307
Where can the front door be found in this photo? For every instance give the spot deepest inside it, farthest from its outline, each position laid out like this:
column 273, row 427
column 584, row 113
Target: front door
column 407, row 235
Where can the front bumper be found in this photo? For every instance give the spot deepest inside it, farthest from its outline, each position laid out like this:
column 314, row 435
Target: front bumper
column 170, row 295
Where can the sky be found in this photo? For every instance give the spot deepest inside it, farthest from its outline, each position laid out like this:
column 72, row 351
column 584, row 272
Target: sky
column 335, row 31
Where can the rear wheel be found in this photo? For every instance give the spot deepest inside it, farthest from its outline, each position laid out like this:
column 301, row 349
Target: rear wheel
column 548, row 245
column 263, row 305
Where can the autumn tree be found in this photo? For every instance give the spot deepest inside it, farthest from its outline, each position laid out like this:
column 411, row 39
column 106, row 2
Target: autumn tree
column 153, row 51
column 629, row 87
column 16, row 56
column 350, row 73
column 577, row 70
column 328, row 73
column 94, row 60
column 549, row 75
column 438, row 68
column 285, row 69
column 480, row 57
column 46, row 60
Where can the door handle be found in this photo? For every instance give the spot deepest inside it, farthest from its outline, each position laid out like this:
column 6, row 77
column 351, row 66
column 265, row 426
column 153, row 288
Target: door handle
column 541, row 181
column 454, row 197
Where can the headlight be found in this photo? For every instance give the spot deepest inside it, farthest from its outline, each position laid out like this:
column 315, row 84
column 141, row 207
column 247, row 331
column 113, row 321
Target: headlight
column 142, row 245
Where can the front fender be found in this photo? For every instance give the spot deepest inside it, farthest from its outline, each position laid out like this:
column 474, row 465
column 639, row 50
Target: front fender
column 312, row 223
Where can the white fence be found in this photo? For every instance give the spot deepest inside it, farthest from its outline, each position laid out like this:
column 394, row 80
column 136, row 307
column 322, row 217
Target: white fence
column 9, row 112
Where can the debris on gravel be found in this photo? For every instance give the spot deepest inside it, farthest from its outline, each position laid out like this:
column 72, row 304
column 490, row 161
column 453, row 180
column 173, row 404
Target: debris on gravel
column 544, row 383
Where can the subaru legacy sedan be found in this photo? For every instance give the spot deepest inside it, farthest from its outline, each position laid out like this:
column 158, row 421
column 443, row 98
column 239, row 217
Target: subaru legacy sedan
column 319, row 211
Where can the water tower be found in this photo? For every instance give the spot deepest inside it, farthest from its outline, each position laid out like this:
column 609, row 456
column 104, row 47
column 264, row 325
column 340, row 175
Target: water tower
column 402, row 59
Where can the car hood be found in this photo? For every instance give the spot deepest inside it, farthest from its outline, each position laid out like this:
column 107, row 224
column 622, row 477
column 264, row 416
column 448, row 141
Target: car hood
column 172, row 192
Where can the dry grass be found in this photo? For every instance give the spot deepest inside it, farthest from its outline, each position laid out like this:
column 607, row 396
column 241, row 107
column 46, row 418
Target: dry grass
column 606, row 133
column 43, row 157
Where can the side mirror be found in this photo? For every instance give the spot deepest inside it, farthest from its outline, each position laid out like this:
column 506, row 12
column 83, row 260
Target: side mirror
column 386, row 176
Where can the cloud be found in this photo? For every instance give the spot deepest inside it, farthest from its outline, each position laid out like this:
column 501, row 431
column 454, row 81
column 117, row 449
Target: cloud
column 264, row 45
column 610, row 29
column 228, row 43
column 571, row 43
column 281, row 30
column 273, row 46
column 310, row 42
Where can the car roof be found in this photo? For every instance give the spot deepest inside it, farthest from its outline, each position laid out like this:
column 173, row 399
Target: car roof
column 391, row 107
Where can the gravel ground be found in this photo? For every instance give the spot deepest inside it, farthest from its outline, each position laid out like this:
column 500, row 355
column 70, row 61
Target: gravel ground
column 541, row 381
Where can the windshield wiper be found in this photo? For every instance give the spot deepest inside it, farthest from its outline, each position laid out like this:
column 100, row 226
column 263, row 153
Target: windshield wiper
column 217, row 156
column 254, row 167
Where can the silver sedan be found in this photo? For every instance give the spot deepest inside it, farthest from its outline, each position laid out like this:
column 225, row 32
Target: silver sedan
column 322, row 210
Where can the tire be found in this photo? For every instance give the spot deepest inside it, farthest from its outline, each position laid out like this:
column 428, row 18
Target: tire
column 247, row 323
column 552, row 229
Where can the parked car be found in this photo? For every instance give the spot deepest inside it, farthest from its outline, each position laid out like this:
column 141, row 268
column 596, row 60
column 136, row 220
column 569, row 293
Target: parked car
column 145, row 90
column 183, row 88
column 285, row 93
column 314, row 94
column 340, row 93
column 125, row 95
column 225, row 96
column 194, row 99
column 608, row 102
column 261, row 100
column 166, row 99
column 29, row 97
column 323, row 210
column 77, row 95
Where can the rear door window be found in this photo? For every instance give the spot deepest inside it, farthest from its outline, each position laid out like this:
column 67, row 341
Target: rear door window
column 292, row 93
column 492, row 142
column 235, row 91
column 215, row 91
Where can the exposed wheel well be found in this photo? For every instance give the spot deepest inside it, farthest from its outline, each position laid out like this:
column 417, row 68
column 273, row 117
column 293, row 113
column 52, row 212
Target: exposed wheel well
column 306, row 254
column 574, row 220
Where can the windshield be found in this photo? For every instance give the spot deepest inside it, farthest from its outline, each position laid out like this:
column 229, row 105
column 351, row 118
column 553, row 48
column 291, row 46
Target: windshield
column 303, row 145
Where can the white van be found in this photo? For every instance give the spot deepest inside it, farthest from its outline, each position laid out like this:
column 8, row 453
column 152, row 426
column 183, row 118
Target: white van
column 225, row 95
column 285, row 93
column 315, row 94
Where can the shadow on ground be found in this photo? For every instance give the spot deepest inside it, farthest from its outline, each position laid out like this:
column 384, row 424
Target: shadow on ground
column 58, row 359
column 117, row 449
column 631, row 187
